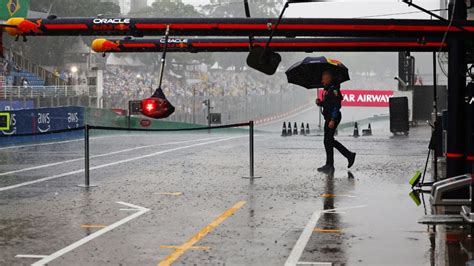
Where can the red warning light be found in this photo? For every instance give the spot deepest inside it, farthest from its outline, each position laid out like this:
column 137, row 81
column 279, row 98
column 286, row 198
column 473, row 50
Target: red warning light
column 150, row 105
column 156, row 108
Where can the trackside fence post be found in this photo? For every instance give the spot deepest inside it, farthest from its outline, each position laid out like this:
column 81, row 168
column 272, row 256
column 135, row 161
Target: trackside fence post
column 87, row 183
column 251, row 153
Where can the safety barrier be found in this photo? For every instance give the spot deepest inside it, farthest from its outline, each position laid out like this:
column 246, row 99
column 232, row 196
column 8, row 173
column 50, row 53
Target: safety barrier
column 87, row 128
column 26, row 124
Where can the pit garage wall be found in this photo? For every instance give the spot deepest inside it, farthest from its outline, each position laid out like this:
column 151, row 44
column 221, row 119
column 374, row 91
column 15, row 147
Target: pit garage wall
column 28, row 121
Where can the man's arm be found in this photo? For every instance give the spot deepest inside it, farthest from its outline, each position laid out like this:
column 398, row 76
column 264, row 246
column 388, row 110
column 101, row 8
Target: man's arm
column 335, row 103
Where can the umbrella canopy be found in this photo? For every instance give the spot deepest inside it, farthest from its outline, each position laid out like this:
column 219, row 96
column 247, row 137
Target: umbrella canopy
column 307, row 73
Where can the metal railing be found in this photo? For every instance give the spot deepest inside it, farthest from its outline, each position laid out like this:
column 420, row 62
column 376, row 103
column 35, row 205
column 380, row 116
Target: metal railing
column 27, row 65
column 20, row 92
column 189, row 109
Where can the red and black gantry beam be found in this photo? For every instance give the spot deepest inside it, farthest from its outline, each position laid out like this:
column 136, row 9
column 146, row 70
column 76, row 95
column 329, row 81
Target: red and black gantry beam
column 195, row 45
column 289, row 27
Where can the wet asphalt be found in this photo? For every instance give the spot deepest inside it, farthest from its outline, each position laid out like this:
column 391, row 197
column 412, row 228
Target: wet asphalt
column 191, row 206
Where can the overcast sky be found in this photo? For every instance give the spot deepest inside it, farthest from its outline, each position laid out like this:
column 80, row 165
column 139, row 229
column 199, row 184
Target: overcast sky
column 348, row 8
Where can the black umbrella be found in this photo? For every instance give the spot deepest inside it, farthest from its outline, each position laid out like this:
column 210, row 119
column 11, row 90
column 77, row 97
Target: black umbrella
column 307, row 73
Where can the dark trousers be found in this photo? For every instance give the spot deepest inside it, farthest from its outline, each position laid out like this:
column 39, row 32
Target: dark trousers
column 330, row 143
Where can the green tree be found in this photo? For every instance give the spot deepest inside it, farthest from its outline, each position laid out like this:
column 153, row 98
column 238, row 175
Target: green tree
column 171, row 9
column 258, row 8
column 226, row 8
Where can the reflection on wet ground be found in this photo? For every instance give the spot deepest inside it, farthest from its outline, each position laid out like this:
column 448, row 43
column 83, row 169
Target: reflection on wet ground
column 185, row 202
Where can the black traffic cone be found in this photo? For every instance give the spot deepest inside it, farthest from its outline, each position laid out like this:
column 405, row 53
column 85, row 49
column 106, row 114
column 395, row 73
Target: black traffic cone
column 307, row 129
column 356, row 130
column 302, row 132
column 283, row 131
column 295, row 129
column 290, row 132
column 367, row 132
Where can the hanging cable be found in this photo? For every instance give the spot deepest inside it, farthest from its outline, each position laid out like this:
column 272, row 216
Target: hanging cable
column 402, row 13
column 444, row 41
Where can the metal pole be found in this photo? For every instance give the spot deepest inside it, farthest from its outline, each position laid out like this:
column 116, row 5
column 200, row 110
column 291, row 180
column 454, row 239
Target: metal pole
column 209, row 114
column 87, row 183
column 456, row 86
column 194, row 105
column 86, row 156
column 275, row 28
column 470, row 141
column 252, row 176
column 163, row 56
column 435, row 108
column 129, row 113
column 251, row 151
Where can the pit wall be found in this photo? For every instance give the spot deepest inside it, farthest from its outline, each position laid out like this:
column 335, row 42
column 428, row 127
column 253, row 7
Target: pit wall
column 40, row 120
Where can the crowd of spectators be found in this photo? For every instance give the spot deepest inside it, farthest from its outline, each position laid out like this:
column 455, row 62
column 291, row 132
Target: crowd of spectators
column 122, row 84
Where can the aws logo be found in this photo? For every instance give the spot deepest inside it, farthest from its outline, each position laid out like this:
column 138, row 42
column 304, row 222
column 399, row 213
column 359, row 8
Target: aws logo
column 13, row 6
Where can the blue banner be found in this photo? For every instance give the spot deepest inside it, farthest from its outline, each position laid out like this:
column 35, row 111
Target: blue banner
column 43, row 120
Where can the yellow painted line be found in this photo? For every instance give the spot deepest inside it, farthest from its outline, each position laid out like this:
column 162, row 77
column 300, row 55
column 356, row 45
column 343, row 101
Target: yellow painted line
column 320, row 230
column 333, row 196
column 201, row 234
column 170, row 193
column 194, row 247
column 93, row 226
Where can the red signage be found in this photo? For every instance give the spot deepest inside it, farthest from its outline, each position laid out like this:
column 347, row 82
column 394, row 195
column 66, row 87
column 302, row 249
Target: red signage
column 145, row 123
column 366, row 98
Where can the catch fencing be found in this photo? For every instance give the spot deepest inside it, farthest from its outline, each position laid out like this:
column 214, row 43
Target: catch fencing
column 189, row 109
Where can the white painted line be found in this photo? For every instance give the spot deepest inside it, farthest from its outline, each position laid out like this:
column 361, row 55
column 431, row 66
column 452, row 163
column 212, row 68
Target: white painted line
column 127, row 210
column 97, row 156
column 300, row 245
column 30, row 256
column 314, row 263
column 39, row 144
column 64, row 141
column 344, row 208
column 114, row 163
column 335, row 212
column 59, row 253
column 50, row 143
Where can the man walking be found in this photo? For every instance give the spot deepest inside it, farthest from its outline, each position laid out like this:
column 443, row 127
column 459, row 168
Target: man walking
column 331, row 104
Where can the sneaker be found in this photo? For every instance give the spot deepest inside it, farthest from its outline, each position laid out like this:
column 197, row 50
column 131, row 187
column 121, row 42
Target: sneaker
column 326, row 169
column 351, row 160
